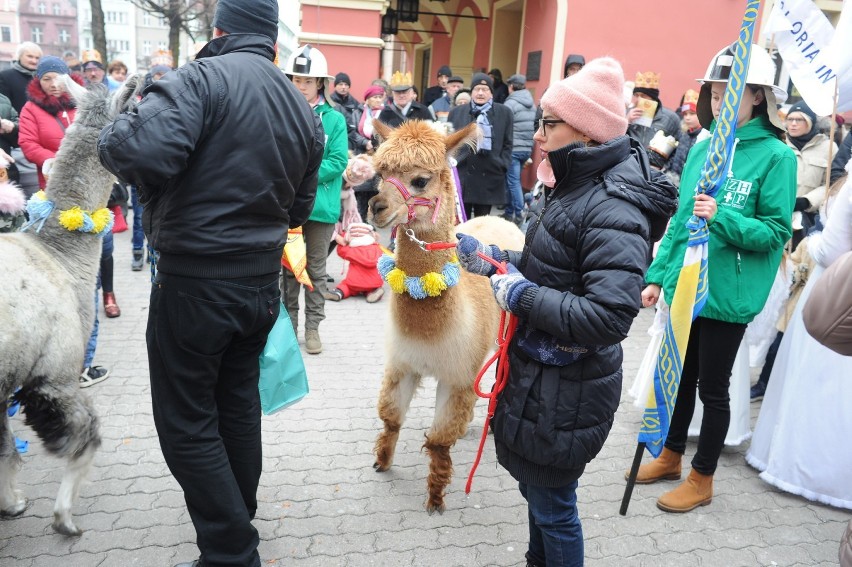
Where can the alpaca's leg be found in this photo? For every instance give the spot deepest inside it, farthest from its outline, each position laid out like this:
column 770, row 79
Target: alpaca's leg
column 12, row 502
column 65, row 420
column 77, row 470
column 453, row 411
column 398, row 388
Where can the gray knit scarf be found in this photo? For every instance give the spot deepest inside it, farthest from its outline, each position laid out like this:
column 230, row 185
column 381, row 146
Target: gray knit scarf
column 481, row 113
column 21, row 69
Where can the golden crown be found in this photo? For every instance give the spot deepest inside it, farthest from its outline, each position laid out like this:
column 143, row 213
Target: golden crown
column 647, row 80
column 690, row 96
column 399, row 80
column 92, row 55
column 162, row 57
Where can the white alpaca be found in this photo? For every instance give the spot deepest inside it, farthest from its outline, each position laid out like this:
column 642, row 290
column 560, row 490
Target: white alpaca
column 47, row 307
column 448, row 335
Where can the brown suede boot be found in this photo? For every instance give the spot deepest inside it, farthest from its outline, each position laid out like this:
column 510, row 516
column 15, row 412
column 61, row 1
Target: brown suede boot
column 695, row 491
column 664, row 467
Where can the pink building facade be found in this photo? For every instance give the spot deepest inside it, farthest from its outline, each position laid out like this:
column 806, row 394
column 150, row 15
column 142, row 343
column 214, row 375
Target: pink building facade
column 527, row 36
column 9, row 36
column 52, row 24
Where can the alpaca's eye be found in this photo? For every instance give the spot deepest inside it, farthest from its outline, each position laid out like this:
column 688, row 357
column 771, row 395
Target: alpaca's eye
column 420, row 182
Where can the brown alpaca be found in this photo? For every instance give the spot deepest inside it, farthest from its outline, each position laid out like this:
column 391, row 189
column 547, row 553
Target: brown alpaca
column 447, row 336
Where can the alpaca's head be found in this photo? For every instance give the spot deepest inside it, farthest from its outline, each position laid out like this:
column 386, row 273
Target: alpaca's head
column 417, row 155
column 96, row 108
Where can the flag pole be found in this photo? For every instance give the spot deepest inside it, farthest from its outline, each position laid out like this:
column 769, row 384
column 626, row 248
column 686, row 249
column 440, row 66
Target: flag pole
column 831, row 135
column 631, row 479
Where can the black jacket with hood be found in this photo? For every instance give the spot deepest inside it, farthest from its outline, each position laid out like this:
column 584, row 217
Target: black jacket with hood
column 224, row 152
column 588, row 254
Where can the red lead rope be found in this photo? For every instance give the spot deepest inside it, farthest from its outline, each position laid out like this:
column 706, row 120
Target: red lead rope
column 504, row 339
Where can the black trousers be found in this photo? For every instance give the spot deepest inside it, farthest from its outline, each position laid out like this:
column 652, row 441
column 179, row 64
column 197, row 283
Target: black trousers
column 710, row 356
column 473, row 210
column 204, row 339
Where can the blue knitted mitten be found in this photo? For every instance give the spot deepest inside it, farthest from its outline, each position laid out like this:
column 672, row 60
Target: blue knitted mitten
column 467, row 250
column 509, row 289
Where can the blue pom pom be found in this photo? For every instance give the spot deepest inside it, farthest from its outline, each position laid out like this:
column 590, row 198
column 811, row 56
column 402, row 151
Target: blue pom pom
column 88, row 223
column 451, row 273
column 385, row 265
column 415, row 288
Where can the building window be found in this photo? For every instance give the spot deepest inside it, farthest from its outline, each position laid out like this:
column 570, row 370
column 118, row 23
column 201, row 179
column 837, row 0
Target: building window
column 6, row 34
column 162, row 22
column 146, row 19
column 36, row 34
column 146, row 48
column 88, row 42
column 57, row 10
column 64, row 36
column 161, row 45
column 42, row 8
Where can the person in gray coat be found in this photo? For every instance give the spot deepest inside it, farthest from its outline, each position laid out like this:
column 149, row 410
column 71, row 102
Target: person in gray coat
column 521, row 103
column 483, row 172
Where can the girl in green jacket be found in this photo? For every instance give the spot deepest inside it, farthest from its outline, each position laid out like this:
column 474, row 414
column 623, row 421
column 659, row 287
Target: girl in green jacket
column 750, row 222
column 308, row 70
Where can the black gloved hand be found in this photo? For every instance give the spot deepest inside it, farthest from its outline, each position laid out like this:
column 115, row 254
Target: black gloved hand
column 802, row 204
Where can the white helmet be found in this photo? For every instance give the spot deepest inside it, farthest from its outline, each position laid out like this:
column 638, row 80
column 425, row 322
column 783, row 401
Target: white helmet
column 761, row 73
column 307, row 61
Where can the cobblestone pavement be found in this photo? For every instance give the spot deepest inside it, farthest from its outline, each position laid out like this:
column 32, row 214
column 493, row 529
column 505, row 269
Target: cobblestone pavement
column 321, row 503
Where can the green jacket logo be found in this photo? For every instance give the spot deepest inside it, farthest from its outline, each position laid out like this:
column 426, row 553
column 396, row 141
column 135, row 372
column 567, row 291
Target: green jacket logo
column 736, row 193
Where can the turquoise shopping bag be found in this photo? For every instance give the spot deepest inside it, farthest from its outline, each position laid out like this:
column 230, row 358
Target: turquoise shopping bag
column 283, row 380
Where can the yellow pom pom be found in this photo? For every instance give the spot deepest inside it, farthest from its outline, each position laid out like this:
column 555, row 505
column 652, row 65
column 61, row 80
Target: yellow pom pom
column 433, row 284
column 72, row 219
column 396, row 280
column 40, row 195
column 100, row 218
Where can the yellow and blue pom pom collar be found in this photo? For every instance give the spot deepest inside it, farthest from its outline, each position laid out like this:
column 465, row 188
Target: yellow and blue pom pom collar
column 39, row 208
column 430, row 284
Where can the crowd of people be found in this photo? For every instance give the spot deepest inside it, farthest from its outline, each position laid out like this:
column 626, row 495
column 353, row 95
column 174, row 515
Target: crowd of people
column 611, row 159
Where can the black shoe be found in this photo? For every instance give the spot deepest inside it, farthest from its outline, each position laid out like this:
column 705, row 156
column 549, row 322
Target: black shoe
column 193, row 563
column 757, row 391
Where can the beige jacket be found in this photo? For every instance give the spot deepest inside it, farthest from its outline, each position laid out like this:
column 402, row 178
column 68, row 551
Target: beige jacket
column 811, row 162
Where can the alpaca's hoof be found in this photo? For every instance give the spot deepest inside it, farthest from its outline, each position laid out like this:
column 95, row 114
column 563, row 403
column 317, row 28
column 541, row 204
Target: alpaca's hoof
column 65, row 526
column 17, row 508
column 380, row 467
column 433, row 507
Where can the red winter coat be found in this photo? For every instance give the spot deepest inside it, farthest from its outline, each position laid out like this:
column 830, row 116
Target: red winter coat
column 39, row 130
column 363, row 274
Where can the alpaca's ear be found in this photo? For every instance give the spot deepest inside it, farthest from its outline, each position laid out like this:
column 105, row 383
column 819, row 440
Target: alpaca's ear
column 467, row 136
column 382, row 130
column 125, row 98
column 76, row 91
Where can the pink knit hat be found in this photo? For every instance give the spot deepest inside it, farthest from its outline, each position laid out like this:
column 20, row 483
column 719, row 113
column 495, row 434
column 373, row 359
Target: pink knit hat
column 591, row 100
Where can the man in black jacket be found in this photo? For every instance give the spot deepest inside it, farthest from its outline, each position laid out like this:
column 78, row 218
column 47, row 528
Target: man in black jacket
column 435, row 92
column 225, row 153
column 483, row 172
column 14, row 81
column 838, row 164
column 404, row 106
column 346, row 104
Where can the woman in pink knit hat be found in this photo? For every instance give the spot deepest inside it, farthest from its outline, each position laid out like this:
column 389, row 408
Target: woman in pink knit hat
column 575, row 288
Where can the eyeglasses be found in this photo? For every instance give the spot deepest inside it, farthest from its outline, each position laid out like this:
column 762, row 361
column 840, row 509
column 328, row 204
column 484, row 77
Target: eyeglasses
column 545, row 122
column 795, row 120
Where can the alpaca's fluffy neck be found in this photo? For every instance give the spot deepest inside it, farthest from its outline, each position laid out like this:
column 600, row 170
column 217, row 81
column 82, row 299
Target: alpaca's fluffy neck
column 76, row 180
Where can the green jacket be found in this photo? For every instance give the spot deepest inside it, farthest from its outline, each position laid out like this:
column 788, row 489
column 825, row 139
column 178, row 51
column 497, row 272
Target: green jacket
column 335, row 156
column 749, row 231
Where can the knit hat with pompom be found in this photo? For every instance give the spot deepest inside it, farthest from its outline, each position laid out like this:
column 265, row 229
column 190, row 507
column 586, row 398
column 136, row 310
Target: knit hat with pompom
column 591, row 100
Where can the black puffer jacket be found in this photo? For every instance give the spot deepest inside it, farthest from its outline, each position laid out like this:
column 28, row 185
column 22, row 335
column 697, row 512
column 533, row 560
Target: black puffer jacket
column 225, row 153
column 587, row 252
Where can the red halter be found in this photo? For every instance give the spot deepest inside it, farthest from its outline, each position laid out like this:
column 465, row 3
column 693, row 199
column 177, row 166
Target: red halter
column 411, row 202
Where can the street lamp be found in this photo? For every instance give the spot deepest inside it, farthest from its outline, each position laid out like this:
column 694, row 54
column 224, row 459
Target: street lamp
column 390, row 22
column 407, row 10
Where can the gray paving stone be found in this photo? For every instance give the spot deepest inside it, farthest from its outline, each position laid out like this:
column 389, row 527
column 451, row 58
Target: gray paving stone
column 321, row 503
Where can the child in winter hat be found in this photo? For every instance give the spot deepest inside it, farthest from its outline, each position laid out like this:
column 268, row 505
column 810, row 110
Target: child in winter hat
column 360, row 247
column 591, row 101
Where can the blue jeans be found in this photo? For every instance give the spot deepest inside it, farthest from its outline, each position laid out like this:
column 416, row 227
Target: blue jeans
column 93, row 338
column 106, row 250
column 556, row 536
column 138, row 233
column 514, row 192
